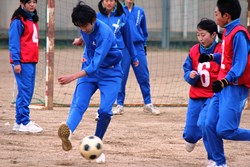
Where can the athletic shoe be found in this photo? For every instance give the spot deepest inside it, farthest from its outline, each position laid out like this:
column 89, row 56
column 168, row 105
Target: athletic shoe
column 16, row 127
column 100, row 159
column 65, row 135
column 190, row 146
column 30, row 127
column 96, row 116
column 118, row 110
column 224, row 165
column 211, row 163
column 150, row 108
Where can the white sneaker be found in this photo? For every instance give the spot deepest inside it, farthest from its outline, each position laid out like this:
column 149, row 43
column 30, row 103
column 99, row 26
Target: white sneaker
column 190, row 146
column 224, row 165
column 96, row 116
column 150, row 108
column 211, row 163
column 65, row 135
column 30, row 127
column 16, row 127
column 118, row 110
column 101, row 159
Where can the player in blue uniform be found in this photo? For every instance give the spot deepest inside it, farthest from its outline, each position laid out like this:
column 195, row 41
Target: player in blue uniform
column 101, row 70
column 232, row 87
column 200, row 76
column 111, row 13
column 24, row 53
column 136, row 20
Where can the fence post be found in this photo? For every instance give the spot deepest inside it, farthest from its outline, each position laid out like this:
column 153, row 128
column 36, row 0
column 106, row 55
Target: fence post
column 165, row 42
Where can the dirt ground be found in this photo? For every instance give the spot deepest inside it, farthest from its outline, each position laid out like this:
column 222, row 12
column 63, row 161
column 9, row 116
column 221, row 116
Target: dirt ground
column 135, row 139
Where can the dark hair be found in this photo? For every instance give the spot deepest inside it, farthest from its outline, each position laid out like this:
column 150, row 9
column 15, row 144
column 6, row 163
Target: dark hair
column 232, row 7
column 208, row 25
column 19, row 12
column 25, row 1
column 82, row 14
column 119, row 8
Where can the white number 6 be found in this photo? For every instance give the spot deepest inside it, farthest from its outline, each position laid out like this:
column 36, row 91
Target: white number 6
column 204, row 74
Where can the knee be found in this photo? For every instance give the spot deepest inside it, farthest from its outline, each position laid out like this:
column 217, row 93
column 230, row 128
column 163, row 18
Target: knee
column 224, row 133
column 201, row 125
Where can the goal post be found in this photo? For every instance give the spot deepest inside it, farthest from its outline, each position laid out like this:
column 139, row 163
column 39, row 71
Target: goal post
column 50, row 47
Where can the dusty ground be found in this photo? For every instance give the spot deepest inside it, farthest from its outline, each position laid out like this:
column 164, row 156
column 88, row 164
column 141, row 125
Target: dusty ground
column 135, row 139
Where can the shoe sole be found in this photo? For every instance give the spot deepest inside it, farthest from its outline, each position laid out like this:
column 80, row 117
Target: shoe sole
column 64, row 133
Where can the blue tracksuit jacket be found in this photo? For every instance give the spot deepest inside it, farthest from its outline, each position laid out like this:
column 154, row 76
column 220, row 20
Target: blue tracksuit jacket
column 103, row 72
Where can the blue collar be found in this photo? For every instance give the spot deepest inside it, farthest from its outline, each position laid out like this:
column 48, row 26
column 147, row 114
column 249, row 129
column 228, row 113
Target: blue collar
column 208, row 50
column 230, row 26
column 28, row 14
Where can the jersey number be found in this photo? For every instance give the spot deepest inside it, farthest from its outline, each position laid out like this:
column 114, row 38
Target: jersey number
column 35, row 35
column 204, row 74
column 222, row 55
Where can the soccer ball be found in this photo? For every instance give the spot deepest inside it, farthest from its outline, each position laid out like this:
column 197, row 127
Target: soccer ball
column 91, row 147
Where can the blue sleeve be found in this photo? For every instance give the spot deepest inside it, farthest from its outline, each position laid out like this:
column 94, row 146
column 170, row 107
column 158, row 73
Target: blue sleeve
column 128, row 41
column 15, row 33
column 187, row 67
column 241, row 48
column 102, row 49
column 144, row 28
column 217, row 58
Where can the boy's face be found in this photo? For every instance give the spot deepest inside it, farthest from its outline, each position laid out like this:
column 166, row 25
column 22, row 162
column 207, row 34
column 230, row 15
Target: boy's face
column 88, row 28
column 219, row 19
column 205, row 38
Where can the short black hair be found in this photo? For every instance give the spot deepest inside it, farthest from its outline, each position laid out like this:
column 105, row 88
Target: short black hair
column 208, row 25
column 82, row 14
column 232, row 7
column 119, row 8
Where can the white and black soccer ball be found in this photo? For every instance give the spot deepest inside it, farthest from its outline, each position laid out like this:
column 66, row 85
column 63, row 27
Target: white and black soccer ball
column 91, row 147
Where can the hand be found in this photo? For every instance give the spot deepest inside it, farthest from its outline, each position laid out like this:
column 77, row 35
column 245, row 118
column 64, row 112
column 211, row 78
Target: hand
column 17, row 68
column 83, row 59
column 205, row 57
column 219, row 85
column 145, row 49
column 193, row 74
column 136, row 63
column 63, row 80
column 78, row 42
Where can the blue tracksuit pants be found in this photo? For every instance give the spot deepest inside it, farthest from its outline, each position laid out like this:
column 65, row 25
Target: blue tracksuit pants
column 195, row 123
column 84, row 90
column 223, row 120
column 25, row 86
column 141, row 74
